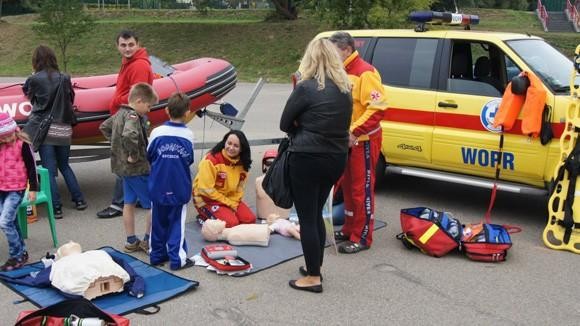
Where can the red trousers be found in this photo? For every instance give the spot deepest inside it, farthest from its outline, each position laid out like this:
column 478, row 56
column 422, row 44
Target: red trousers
column 358, row 188
column 219, row 211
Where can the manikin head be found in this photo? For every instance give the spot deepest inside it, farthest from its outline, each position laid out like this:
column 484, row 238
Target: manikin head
column 68, row 249
column 212, row 230
column 268, row 158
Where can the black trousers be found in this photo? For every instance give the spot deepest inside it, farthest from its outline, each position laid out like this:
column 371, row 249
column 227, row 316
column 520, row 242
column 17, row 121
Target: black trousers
column 312, row 175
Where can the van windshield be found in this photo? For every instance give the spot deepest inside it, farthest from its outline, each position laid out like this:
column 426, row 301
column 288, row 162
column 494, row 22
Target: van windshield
column 546, row 62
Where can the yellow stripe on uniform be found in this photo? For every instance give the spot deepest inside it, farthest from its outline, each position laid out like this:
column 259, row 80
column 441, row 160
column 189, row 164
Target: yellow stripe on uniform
column 428, row 234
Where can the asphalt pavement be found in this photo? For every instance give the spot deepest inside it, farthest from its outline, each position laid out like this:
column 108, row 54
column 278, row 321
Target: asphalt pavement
column 386, row 285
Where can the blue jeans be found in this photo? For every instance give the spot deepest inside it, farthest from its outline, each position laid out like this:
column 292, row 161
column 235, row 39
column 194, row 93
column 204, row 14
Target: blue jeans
column 9, row 202
column 57, row 156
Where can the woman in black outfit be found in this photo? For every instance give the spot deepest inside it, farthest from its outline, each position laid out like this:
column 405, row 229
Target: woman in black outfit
column 316, row 117
column 41, row 89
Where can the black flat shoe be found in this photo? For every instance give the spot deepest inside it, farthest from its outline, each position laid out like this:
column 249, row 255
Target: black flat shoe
column 304, row 272
column 311, row 288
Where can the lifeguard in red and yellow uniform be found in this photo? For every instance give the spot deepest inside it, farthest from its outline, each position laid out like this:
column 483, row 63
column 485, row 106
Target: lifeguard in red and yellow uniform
column 358, row 180
column 221, row 179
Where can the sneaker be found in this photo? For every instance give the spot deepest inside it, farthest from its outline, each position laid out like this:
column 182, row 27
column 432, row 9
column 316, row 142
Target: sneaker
column 109, row 212
column 132, row 247
column 144, row 245
column 12, row 264
column 81, row 205
column 58, row 213
column 340, row 236
column 24, row 257
column 349, row 247
column 188, row 263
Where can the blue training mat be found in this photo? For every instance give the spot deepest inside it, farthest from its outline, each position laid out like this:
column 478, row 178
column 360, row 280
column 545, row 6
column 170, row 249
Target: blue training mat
column 159, row 286
column 281, row 249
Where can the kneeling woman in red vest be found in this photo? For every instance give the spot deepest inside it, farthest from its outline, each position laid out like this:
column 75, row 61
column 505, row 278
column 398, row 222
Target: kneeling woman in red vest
column 221, row 179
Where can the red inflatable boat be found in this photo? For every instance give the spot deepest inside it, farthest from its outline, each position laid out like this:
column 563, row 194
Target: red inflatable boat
column 203, row 80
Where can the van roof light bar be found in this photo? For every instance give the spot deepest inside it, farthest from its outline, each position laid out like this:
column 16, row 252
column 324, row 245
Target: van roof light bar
column 442, row 18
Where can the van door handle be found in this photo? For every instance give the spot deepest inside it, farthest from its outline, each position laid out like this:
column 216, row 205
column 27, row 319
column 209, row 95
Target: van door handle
column 447, row 105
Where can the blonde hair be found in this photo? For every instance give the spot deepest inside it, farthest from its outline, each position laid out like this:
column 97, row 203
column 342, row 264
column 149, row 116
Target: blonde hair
column 23, row 136
column 321, row 61
column 144, row 92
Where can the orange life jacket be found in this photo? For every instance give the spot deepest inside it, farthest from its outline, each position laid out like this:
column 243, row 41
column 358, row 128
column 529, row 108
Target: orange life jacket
column 509, row 109
column 533, row 107
column 531, row 104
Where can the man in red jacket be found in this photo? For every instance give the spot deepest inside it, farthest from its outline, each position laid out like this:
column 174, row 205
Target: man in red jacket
column 135, row 68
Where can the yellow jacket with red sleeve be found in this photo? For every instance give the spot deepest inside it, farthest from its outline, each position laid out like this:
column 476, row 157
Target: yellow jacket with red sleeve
column 219, row 179
column 369, row 100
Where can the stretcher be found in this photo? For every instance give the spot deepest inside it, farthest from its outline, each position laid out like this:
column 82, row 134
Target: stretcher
column 562, row 231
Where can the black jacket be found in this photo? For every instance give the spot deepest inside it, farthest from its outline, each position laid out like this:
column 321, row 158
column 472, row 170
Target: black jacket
column 317, row 121
column 40, row 90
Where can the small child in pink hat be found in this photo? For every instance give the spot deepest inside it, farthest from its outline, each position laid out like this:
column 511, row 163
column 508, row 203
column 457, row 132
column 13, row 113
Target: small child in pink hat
column 17, row 171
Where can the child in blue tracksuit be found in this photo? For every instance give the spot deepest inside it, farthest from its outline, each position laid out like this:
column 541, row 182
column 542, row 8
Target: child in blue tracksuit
column 170, row 153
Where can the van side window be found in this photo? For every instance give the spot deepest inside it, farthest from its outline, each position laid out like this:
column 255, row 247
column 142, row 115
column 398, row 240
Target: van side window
column 361, row 44
column 477, row 68
column 405, row 62
column 511, row 68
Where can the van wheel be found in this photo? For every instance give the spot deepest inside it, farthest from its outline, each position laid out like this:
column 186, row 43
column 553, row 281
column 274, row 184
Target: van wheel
column 380, row 172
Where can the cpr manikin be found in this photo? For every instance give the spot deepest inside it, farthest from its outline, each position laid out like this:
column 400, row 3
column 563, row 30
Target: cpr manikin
column 265, row 207
column 91, row 274
column 87, row 274
column 284, row 227
column 239, row 235
column 276, row 217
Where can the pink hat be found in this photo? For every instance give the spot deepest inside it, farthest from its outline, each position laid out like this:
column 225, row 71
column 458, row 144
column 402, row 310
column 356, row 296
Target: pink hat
column 7, row 125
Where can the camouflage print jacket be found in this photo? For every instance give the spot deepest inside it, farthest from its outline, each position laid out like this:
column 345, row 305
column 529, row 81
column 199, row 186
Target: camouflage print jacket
column 126, row 132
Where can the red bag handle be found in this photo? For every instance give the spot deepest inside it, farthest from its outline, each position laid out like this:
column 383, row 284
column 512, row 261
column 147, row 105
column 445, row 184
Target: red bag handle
column 511, row 229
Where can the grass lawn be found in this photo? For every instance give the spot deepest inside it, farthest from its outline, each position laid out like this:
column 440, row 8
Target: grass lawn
column 257, row 46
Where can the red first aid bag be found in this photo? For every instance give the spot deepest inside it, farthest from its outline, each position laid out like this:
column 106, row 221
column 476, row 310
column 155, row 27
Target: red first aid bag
column 217, row 251
column 487, row 242
column 65, row 312
column 224, row 258
column 434, row 233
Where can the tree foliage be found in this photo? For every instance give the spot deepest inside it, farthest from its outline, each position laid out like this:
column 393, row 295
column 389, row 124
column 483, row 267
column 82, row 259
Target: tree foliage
column 449, row 5
column 367, row 13
column 393, row 13
column 286, row 8
column 61, row 22
column 15, row 4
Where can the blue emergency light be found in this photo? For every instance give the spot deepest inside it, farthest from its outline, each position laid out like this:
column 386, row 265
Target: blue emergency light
column 440, row 18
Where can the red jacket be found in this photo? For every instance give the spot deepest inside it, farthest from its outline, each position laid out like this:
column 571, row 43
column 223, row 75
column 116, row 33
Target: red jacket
column 135, row 70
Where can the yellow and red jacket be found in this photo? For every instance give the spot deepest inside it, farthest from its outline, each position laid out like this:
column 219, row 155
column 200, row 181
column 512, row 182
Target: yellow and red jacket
column 219, row 179
column 369, row 100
